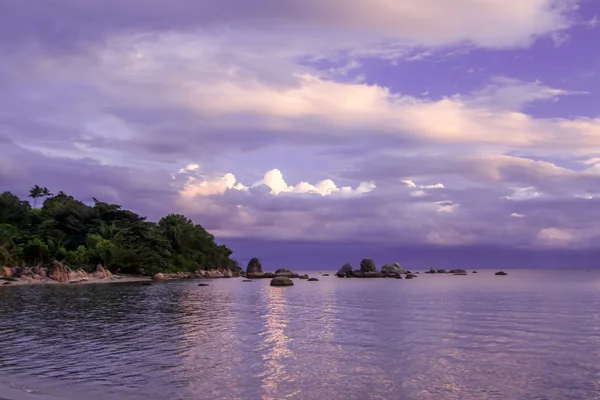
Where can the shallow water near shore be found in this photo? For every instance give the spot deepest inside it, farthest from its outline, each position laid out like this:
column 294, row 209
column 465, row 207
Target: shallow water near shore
column 529, row 335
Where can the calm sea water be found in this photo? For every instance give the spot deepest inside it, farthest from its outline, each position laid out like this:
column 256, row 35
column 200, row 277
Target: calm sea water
column 528, row 335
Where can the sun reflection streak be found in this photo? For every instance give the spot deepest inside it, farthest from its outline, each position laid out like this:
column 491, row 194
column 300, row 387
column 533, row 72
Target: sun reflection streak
column 277, row 345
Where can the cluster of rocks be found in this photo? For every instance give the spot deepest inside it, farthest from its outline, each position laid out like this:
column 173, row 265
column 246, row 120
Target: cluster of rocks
column 368, row 269
column 281, row 277
column 199, row 274
column 58, row 272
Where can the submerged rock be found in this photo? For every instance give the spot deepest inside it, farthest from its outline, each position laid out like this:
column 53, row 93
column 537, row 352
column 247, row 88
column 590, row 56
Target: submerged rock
column 325, row 275
column 203, row 284
column 345, row 271
column 246, row 280
column 501, row 273
column 457, row 271
column 474, row 272
column 254, row 269
column 282, row 281
column 313, row 280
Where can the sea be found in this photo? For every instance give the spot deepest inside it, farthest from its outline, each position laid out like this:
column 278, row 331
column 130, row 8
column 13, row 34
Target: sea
column 533, row 334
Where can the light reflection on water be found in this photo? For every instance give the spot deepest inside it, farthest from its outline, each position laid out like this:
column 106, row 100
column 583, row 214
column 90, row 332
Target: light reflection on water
column 530, row 335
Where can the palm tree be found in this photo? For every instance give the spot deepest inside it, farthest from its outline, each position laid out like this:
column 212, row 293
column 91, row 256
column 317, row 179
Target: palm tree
column 46, row 192
column 35, row 193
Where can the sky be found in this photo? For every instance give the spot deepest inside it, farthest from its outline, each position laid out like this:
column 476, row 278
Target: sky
column 309, row 134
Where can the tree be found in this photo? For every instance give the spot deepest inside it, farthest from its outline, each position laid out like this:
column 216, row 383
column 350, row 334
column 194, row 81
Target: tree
column 35, row 193
column 13, row 211
column 7, row 244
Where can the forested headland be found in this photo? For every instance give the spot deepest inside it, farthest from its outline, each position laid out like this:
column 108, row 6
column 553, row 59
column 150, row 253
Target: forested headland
column 82, row 236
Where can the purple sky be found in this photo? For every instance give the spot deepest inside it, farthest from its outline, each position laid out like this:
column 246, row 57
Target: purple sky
column 313, row 133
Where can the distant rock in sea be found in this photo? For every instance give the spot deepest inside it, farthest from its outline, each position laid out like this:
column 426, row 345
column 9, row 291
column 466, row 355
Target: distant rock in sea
column 392, row 270
column 203, row 284
column 325, row 275
column 286, row 272
column 254, row 269
column 367, row 265
column 313, row 280
column 345, row 271
column 501, row 273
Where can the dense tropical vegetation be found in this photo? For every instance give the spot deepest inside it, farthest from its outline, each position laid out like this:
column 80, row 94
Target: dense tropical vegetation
column 82, row 236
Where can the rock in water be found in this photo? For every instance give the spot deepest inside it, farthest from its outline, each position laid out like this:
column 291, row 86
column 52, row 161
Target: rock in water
column 203, row 284
column 246, row 280
column 474, row 272
column 313, row 280
column 269, row 275
column 159, row 277
column 282, row 281
column 345, row 271
column 305, row 276
column 367, row 265
column 501, row 273
column 457, row 271
column 325, row 275
column 59, row 272
column 410, row 276
column 254, row 269
column 392, row 270
column 286, row 272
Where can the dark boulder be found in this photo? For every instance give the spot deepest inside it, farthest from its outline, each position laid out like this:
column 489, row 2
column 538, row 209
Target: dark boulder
column 246, row 280
column 254, row 269
column 392, row 270
column 313, row 280
column 372, row 274
column 501, row 273
column 410, row 276
column 431, row 271
column 457, row 271
column 305, row 276
column 282, row 281
column 442, row 271
column 367, row 265
column 325, row 275
column 286, row 272
column 268, row 275
column 474, row 272
column 345, row 271
column 203, row 284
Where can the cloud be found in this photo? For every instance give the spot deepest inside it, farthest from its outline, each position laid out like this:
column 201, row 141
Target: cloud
column 272, row 179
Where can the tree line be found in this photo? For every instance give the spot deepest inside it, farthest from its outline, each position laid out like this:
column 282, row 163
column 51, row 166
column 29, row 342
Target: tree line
column 68, row 230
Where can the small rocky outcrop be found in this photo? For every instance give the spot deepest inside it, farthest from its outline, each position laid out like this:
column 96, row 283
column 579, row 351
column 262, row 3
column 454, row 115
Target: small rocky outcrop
column 392, row 270
column 305, row 276
column 282, row 281
column 59, row 272
column 325, row 275
column 313, row 280
column 159, row 277
column 254, row 269
column 203, row 284
column 442, row 271
column 269, row 275
column 286, row 272
column 367, row 265
column 457, row 271
column 410, row 276
column 345, row 271
column 501, row 273
column 398, row 277
column 474, row 272
column 431, row 271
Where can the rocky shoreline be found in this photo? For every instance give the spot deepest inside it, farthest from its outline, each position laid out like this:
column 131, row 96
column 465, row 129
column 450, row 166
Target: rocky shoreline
column 59, row 273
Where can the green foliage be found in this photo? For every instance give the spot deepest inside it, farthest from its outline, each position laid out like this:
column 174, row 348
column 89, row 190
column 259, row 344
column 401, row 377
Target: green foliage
column 66, row 229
